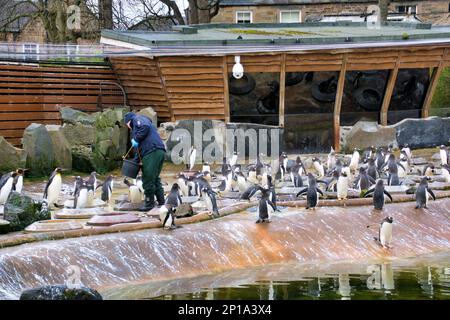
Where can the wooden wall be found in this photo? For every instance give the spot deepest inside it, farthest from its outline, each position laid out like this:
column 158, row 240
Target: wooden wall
column 29, row 93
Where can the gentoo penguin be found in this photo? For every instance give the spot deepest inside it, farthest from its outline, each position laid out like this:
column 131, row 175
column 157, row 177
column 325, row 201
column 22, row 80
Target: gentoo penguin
column 342, row 186
column 272, row 193
column 140, row 184
column 372, row 170
column 183, row 184
column 446, row 172
column 331, row 159
column 252, row 176
column 92, row 180
column 379, row 159
column 332, row 184
column 6, row 185
column 423, row 193
column 107, row 188
column 167, row 216
column 364, row 181
column 18, row 180
column 282, row 164
column 78, row 184
column 206, row 167
column 241, row 182
column 234, row 159
column 53, row 187
column 443, row 154
column 209, row 196
column 312, row 191
column 378, row 195
column 174, row 197
column 251, row 192
column 134, row 193
column 368, row 153
column 225, row 167
column 354, row 162
column 265, row 207
column 385, row 232
column 318, row 167
column 392, row 167
column 82, row 194
column 407, row 150
column 192, row 156
column 257, row 166
column 296, row 178
column 428, row 170
column 301, row 167
column 403, row 167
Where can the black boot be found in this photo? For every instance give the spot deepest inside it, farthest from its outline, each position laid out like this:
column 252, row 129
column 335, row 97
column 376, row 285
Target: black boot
column 160, row 198
column 149, row 204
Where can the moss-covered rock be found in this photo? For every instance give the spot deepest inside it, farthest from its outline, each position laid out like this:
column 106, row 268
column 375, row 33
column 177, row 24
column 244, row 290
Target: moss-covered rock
column 60, row 292
column 38, row 145
column 21, row 211
column 4, row 226
column 11, row 158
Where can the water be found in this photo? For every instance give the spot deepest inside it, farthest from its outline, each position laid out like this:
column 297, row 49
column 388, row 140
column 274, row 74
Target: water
column 424, row 278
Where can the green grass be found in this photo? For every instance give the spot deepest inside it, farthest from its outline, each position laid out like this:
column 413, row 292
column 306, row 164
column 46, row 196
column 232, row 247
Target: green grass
column 441, row 98
column 272, row 33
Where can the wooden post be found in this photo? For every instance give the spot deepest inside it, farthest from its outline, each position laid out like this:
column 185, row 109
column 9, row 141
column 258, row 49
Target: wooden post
column 163, row 85
column 388, row 94
column 337, row 105
column 226, row 91
column 282, row 90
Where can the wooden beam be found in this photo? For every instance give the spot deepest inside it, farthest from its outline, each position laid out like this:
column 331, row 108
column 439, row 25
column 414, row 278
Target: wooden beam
column 282, row 90
column 164, row 89
column 433, row 85
column 388, row 93
column 337, row 105
column 226, row 90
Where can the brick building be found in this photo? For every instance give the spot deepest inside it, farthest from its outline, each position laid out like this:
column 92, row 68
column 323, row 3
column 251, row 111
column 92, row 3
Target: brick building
column 275, row 11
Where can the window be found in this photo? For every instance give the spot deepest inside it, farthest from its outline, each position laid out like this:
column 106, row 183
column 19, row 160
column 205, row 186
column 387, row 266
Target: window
column 291, row 16
column 406, row 9
column 244, row 17
column 31, row 51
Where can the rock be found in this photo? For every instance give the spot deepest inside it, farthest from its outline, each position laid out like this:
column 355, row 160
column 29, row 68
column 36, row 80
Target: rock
column 366, row 133
column 79, row 134
column 60, row 292
column 53, row 226
column 61, row 148
column 110, row 118
column 184, row 210
column 11, row 158
column 150, row 113
column 38, row 145
column 4, row 226
column 419, row 161
column 436, row 156
column 82, row 159
column 21, row 211
column 110, row 219
column 72, row 116
column 423, row 133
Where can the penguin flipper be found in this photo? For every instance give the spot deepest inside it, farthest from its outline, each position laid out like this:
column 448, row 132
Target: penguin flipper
column 368, row 192
column 389, row 195
column 301, row 192
column 272, row 205
column 431, row 193
column 319, row 191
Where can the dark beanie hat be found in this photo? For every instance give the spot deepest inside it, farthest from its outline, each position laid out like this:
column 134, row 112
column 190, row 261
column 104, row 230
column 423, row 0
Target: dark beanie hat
column 129, row 116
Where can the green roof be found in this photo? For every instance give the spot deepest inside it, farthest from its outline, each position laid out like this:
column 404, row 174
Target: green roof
column 301, row 34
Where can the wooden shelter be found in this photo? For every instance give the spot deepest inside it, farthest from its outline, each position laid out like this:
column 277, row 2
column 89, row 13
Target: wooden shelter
column 185, row 74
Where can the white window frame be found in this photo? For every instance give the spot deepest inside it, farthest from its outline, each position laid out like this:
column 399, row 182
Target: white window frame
column 290, row 11
column 27, row 47
column 407, row 7
column 244, row 11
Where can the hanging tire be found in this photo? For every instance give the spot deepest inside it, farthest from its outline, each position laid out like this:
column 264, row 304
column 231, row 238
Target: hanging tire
column 293, row 78
column 324, row 94
column 241, row 86
column 369, row 99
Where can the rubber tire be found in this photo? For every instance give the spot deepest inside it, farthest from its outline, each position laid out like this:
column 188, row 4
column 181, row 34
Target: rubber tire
column 293, row 78
column 358, row 96
column 243, row 89
column 319, row 95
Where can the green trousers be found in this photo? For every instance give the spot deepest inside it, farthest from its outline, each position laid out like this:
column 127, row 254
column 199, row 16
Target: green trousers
column 152, row 165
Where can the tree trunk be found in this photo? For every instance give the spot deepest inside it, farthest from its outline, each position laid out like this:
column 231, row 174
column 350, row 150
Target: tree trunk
column 203, row 11
column 193, row 12
column 105, row 13
column 384, row 6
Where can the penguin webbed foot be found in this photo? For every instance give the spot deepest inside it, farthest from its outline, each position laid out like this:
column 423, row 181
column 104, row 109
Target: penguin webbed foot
column 259, row 221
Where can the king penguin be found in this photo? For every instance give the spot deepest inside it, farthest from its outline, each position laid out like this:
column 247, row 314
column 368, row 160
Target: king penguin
column 378, row 195
column 423, row 193
column 6, row 186
column 53, row 187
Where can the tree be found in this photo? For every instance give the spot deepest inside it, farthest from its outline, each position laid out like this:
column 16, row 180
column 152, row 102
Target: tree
column 201, row 11
column 384, row 6
column 105, row 12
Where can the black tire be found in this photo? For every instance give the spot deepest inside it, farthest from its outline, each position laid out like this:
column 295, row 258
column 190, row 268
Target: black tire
column 324, row 96
column 370, row 99
column 239, row 87
column 293, row 78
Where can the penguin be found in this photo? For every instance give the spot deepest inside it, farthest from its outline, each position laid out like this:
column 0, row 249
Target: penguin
column 140, row 185
column 18, row 180
column 265, row 207
column 378, row 195
column 443, row 155
column 446, row 172
column 134, row 193
column 174, row 197
column 407, row 150
column 296, row 178
column 331, row 159
column 429, row 170
column 76, row 191
column 206, row 167
column 332, row 184
column 368, row 153
column 92, row 180
column 241, row 182
column 354, row 162
column 272, row 193
column 183, row 184
column 364, row 181
column 6, row 186
column 252, row 176
column 251, row 192
column 167, row 216
column 403, row 168
column 318, row 167
column 301, row 167
column 372, row 170
column 225, row 167
column 192, row 156
column 423, row 193
column 234, row 159
column 282, row 169
column 258, row 165
column 385, row 232
column 312, row 191
column 53, row 187
column 342, row 186
column 81, row 198
column 392, row 167
column 379, row 159
column 349, row 174
column 209, row 197
column 107, row 188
